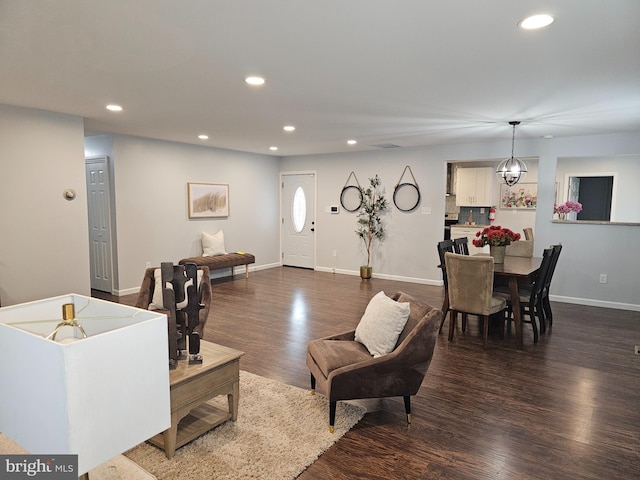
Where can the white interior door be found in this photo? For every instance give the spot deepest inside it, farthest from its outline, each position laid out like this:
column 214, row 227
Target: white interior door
column 99, row 208
column 298, row 220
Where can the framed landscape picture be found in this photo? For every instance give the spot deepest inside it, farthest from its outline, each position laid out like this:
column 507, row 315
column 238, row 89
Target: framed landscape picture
column 208, row 200
column 522, row 196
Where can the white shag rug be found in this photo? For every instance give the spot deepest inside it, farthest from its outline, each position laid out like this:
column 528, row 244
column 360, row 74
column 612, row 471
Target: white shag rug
column 280, row 431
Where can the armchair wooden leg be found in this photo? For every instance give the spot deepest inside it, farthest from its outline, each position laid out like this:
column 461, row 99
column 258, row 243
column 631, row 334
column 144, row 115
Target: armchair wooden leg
column 407, row 407
column 313, row 385
column 332, row 416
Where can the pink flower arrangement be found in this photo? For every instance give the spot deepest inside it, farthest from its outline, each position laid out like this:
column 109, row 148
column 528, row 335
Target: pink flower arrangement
column 495, row 236
column 567, row 207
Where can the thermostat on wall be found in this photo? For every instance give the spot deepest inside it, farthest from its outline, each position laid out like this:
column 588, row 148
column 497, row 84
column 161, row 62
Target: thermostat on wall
column 334, row 209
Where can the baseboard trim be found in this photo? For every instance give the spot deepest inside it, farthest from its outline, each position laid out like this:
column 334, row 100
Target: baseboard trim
column 595, row 303
column 384, row 276
column 225, row 272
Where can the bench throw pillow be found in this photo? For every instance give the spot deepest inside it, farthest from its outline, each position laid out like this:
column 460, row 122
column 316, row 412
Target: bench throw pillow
column 382, row 323
column 213, row 245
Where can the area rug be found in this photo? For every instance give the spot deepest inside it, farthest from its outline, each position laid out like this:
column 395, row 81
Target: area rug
column 280, row 431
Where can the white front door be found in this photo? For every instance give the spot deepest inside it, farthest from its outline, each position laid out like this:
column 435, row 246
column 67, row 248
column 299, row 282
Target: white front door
column 99, row 208
column 298, row 219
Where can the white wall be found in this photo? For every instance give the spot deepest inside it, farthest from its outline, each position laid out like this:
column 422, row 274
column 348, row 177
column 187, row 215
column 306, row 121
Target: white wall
column 152, row 223
column 409, row 253
column 44, row 244
column 44, row 241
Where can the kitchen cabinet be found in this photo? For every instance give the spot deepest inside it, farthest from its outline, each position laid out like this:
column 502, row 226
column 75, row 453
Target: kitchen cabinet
column 474, row 186
column 469, row 231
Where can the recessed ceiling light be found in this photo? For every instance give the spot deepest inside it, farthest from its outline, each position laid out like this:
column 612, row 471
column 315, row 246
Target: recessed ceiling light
column 536, row 21
column 288, row 128
column 547, row 137
column 203, row 137
column 273, row 148
column 114, row 108
column 255, row 81
column 352, row 142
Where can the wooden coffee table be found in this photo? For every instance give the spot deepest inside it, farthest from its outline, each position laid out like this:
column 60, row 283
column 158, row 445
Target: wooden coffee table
column 193, row 385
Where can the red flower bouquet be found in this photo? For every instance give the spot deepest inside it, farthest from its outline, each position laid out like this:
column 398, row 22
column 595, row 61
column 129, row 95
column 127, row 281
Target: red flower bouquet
column 495, row 236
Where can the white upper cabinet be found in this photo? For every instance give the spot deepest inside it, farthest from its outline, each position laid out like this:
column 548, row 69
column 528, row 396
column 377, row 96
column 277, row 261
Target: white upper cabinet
column 474, row 186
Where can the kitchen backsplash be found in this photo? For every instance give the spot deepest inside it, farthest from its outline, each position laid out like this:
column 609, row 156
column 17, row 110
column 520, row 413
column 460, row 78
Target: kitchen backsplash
column 480, row 215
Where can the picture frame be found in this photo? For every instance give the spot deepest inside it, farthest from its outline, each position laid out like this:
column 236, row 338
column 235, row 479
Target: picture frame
column 521, row 196
column 208, row 200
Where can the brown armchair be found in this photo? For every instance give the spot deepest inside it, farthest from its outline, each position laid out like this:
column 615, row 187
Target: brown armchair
column 343, row 368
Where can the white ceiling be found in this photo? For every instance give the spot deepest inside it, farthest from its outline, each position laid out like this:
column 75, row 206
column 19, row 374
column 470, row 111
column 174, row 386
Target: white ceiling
column 403, row 72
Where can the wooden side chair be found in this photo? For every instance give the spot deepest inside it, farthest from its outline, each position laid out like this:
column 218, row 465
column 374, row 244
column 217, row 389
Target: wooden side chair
column 461, row 246
column 471, row 289
column 443, row 247
column 531, row 299
column 548, row 314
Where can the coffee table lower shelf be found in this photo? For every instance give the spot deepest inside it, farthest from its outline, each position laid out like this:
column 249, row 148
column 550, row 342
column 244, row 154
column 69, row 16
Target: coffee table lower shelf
column 199, row 421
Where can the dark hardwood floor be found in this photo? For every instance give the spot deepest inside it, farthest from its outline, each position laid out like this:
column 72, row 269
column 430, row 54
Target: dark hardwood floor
column 565, row 408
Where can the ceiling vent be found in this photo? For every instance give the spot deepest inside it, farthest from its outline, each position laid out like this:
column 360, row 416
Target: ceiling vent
column 386, row 145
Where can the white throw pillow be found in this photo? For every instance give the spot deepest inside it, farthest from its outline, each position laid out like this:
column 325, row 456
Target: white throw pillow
column 213, row 245
column 382, row 323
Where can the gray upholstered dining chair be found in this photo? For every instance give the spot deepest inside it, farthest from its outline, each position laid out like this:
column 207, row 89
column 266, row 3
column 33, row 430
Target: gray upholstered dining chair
column 470, row 280
column 520, row 248
column 528, row 233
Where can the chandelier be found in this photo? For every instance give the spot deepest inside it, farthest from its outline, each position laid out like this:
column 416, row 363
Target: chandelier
column 512, row 170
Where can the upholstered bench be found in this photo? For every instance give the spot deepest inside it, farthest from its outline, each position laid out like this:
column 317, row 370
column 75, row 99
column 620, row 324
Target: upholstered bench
column 228, row 260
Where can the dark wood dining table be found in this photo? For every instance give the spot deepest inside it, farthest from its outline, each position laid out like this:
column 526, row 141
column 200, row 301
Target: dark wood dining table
column 513, row 272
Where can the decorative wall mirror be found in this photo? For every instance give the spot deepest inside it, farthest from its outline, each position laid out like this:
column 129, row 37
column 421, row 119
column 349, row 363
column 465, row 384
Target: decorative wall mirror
column 406, row 195
column 351, row 195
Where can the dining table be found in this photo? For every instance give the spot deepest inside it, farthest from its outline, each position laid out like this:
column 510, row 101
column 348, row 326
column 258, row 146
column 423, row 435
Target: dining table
column 515, row 271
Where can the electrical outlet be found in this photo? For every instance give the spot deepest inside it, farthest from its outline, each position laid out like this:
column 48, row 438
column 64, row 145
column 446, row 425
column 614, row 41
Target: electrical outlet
column 148, row 264
column 335, row 253
column 603, row 278
column 637, row 349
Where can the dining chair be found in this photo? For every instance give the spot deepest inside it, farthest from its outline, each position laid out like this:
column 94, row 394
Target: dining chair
column 471, row 289
column 528, row 233
column 531, row 297
column 546, row 305
column 461, row 246
column 520, row 248
column 443, row 247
